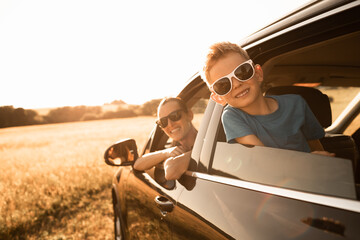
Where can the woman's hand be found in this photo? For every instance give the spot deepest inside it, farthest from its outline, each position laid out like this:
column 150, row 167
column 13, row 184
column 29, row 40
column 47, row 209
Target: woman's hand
column 177, row 166
column 175, row 151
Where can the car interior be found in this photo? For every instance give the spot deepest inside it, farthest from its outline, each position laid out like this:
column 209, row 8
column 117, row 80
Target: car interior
column 335, row 64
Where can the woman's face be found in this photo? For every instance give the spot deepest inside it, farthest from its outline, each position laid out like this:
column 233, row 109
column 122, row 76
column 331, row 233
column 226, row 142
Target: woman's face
column 176, row 130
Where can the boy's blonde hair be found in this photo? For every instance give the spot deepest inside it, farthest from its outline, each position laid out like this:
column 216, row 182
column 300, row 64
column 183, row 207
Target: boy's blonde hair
column 216, row 52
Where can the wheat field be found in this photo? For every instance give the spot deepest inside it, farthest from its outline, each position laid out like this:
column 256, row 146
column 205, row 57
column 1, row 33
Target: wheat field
column 54, row 183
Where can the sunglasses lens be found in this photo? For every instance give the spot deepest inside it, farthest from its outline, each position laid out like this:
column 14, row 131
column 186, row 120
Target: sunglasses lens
column 222, row 86
column 175, row 116
column 162, row 122
column 244, row 72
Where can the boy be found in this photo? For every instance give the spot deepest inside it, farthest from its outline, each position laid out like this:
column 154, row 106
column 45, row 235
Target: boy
column 283, row 121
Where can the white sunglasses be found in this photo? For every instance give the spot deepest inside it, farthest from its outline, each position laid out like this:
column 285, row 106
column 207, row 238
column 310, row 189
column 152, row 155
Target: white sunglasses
column 244, row 72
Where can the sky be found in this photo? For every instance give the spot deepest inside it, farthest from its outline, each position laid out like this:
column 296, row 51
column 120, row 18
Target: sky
column 56, row 53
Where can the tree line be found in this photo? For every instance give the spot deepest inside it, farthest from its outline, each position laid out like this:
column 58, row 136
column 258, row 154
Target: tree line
column 11, row 117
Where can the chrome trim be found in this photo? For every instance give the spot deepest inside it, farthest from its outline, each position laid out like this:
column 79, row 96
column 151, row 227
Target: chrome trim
column 199, row 140
column 345, row 115
column 345, row 204
column 210, row 136
column 116, row 191
column 306, row 22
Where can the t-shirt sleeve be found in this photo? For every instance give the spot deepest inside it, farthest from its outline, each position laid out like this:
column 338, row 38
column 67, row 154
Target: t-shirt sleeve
column 312, row 129
column 235, row 125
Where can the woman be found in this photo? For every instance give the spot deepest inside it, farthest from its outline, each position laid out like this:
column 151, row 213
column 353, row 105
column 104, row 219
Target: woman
column 175, row 120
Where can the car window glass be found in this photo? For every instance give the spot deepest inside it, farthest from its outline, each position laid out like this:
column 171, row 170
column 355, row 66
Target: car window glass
column 353, row 127
column 330, row 66
column 340, row 97
column 198, row 109
column 285, row 168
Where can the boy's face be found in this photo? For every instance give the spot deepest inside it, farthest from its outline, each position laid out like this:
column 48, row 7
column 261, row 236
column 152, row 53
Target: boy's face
column 176, row 130
column 242, row 94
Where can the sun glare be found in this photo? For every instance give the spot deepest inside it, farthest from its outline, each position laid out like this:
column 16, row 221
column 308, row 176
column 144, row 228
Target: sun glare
column 90, row 52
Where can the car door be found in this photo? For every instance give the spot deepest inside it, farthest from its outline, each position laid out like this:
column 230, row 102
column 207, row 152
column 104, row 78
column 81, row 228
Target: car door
column 187, row 222
column 149, row 202
column 246, row 192
column 150, row 199
column 243, row 192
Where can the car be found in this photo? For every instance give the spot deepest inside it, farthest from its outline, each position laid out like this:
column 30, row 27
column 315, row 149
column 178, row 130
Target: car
column 234, row 191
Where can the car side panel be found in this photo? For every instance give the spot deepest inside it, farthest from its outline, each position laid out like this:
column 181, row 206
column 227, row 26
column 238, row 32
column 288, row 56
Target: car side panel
column 119, row 184
column 144, row 219
column 240, row 213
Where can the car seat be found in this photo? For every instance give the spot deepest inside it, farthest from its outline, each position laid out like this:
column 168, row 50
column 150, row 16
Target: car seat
column 342, row 145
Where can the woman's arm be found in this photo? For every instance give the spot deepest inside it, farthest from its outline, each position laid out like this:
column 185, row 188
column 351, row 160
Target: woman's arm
column 151, row 159
column 175, row 167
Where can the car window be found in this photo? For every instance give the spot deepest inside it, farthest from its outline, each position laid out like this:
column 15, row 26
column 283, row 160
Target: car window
column 340, row 97
column 196, row 99
column 198, row 110
column 331, row 66
column 285, row 168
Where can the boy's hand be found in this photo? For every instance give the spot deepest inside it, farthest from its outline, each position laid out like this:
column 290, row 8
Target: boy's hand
column 324, row 153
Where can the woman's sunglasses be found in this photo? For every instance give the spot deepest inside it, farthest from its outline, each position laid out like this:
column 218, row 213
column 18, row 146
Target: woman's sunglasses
column 174, row 116
column 242, row 73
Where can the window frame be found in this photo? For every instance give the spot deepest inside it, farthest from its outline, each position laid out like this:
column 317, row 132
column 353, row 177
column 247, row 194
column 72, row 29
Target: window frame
column 204, row 170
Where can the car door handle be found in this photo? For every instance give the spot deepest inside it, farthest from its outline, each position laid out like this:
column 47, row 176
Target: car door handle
column 326, row 224
column 164, row 204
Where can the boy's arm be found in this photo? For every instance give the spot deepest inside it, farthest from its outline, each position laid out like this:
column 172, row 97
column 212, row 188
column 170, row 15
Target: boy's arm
column 315, row 145
column 250, row 140
column 317, row 148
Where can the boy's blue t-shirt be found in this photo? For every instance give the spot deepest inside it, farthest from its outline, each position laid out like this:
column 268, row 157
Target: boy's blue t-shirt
column 289, row 127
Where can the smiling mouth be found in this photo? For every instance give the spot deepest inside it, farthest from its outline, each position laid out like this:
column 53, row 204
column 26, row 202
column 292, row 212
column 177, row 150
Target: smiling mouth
column 175, row 130
column 243, row 93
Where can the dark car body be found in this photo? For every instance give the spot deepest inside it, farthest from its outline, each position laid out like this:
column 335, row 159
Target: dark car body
column 233, row 191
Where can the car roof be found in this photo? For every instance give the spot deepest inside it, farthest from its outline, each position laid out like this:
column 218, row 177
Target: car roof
column 301, row 14
column 313, row 11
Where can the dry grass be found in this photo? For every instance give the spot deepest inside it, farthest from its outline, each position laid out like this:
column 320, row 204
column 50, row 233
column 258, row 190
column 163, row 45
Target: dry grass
column 53, row 181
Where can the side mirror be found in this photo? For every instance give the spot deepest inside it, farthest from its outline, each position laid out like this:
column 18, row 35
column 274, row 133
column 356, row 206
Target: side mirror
column 122, row 153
